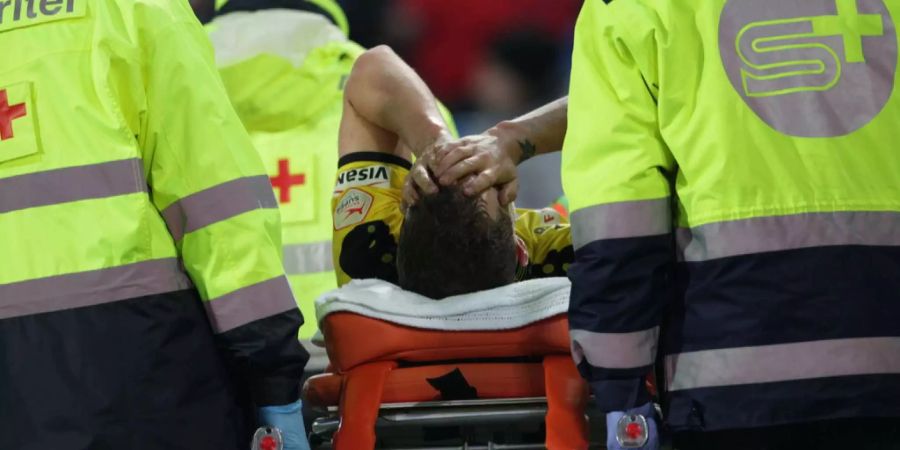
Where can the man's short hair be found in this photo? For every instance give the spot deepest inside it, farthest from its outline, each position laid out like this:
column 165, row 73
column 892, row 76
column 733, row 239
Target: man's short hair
column 449, row 245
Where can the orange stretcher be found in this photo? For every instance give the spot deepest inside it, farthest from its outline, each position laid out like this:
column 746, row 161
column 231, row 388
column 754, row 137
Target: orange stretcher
column 378, row 367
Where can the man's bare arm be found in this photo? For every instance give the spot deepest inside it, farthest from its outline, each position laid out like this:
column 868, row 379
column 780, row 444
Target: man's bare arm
column 489, row 159
column 388, row 108
column 540, row 131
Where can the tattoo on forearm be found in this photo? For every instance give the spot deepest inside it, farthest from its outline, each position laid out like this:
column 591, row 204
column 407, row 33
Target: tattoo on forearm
column 528, row 150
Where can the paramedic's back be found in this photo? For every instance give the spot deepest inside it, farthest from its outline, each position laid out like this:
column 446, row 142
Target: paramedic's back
column 762, row 134
column 138, row 233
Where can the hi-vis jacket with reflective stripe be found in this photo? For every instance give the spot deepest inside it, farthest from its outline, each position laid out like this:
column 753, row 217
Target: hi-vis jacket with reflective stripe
column 735, row 189
column 129, row 192
column 284, row 72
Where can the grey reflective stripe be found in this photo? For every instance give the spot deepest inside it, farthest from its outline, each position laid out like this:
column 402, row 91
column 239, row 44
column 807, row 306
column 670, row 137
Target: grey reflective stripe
column 783, row 362
column 301, row 259
column 621, row 220
column 615, row 350
column 218, row 203
column 769, row 234
column 250, row 304
column 72, row 184
column 96, row 287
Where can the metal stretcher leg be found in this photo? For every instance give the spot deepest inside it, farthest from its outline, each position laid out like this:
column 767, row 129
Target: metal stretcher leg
column 360, row 403
column 567, row 396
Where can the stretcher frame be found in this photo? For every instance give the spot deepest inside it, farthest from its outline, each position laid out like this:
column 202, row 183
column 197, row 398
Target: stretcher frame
column 456, row 413
column 362, row 368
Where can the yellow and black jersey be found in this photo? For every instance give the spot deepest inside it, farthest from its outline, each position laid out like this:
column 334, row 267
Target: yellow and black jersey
column 367, row 221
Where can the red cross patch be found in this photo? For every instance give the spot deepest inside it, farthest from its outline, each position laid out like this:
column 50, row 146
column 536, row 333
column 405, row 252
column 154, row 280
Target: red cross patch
column 285, row 180
column 17, row 119
column 9, row 113
column 294, row 183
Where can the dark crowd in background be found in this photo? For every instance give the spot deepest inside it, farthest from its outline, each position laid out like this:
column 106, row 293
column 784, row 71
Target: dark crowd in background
column 486, row 60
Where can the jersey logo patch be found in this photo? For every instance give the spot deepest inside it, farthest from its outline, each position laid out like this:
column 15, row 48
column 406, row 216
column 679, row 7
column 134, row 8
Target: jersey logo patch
column 22, row 13
column 550, row 217
column 369, row 176
column 811, row 68
column 352, row 208
column 17, row 117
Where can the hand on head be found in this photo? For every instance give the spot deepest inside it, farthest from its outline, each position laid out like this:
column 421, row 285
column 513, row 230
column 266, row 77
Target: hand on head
column 477, row 163
column 421, row 180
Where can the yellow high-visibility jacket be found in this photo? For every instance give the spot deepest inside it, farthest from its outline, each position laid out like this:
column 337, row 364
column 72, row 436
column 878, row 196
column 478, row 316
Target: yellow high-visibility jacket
column 284, row 71
column 734, row 183
column 138, row 236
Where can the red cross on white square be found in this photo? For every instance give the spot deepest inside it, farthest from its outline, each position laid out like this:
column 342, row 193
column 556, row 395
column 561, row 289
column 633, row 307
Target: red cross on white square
column 9, row 113
column 285, row 181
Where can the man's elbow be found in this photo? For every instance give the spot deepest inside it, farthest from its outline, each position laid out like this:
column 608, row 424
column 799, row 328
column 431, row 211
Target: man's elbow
column 376, row 57
column 369, row 68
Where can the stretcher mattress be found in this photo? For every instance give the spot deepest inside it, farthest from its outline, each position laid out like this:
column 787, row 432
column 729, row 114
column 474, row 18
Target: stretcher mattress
column 354, row 340
column 504, row 308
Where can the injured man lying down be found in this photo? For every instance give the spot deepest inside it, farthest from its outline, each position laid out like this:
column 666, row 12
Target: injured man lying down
column 445, row 225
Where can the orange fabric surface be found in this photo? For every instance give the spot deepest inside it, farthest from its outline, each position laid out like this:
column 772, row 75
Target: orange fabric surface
column 352, row 340
column 491, row 380
column 359, row 405
column 567, row 397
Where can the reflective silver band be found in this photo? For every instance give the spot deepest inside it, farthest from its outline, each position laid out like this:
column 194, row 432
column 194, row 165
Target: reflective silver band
column 783, row 362
column 218, row 203
column 96, row 287
column 302, row 259
column 72, row 184
column 769, row 234
column 615, row 350
column 621, row 220
column 250, row 304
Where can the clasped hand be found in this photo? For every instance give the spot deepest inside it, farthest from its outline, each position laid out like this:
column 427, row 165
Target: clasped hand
column 476, row 163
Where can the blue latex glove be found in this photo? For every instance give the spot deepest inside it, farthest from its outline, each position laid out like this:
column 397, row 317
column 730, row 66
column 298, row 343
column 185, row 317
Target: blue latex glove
column 612, row 422
column 289, row 420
